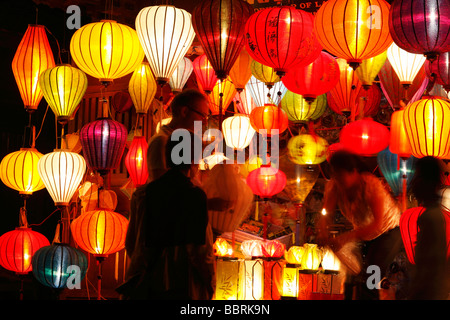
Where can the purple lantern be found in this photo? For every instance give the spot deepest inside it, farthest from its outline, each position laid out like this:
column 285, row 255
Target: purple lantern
column 103, row 142
column 421, row 26
column 441, row 68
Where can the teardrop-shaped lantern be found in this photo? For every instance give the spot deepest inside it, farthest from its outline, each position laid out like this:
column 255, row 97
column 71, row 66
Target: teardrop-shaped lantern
column 221, row 96
column 270, row 118
column 241, row 71
column 142, row 88
column 33, row 56
column 136, row 161
column 264, row 73
column 406, row 65
column 266, row 181
column 399, row 142
column 204, row 73
column 238, row 131
column 181, row 75
column 166, row 34
column 299, row 110
column 262, row 95
column 369, row 68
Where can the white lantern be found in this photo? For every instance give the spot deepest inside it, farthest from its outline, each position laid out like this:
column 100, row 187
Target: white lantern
column 238, row 131
column 260, row 92
column 181, row 75
column 244, row 102
column 405, row 64
column 329, row 261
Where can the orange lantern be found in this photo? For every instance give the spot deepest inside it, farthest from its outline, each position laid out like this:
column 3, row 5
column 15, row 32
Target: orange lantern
column 273, row 249
column 270, row 118
column 241, row 71
column 399, row 143
column 221, row 96
column 222, row 248
column 136, row 161
column 33, row 56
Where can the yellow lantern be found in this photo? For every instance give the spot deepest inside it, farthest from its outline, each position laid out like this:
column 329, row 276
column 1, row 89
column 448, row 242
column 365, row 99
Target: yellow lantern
column 18, row 171
column 221, row 96
column 330, row 263
column 308, row 149
column 142, row 88
column 264, row 73
column 298, row 110
column 227, row 279
column 294, row 255
column 238, row 131
column 369, row 69
column 312, row 257
column 290, row 281
column 222, row 248
column 405, row 64
column 63, row 87
column 106, row 50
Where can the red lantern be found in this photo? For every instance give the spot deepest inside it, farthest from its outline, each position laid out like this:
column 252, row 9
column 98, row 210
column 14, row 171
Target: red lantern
column 269, row 117
column 441, row 69
column 280, row 37
column 219, row 25
column 273, row 249
column 266, row 181
column 204, row 72
column 121, row 101
column 365, row 137
column 17, row 248
column 136, row 161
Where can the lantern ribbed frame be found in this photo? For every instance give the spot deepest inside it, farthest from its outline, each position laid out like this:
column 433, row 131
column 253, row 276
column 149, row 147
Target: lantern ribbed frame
column 269, row 118
column 142, row 88
column 441, row 69
column 369, row 68
column 33, row 56
column 17, row 248
column 100, row 232
column 372, row 101
column 266, row 181
column 106, row 50
column 238, row 131
column 260, row 92
column 166, row 34
column 63, row 87
column 228, row 91
column 181, row 75
column 399, row 142
column 244, row 102
column 299, row 110
column 409, row 229
column 204, row 73
column 273, row 249
column 136, row 161
column 241, row 71
column 405, row 64
column 264, row 73
column 19, row 171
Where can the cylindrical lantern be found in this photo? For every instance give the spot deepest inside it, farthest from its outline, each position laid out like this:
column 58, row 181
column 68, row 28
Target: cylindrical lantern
column 136, row 161
column 166, row 34
column 238, row 131
column 204, row 73
column 221, row 95
column 100, row 232
column 399, row 143
column 54, row 265
column 19, row 171
column 353, row 30
column 181, row 75
column 241, row 71
column 33, row 56
column 219, row 26
column 307, row 149
column 405, row 64
column 63, row 87
column 312, row 257
column 266, row 181
column 142, row 88
column 106, row 50
column 61, row 172
column 264, row 73
column 369, row 68
column 299, row 110
column 103, row 142
column 17, row 248
column 228, row 279
column 262, row 95
column 270, row 118
column 427, row 127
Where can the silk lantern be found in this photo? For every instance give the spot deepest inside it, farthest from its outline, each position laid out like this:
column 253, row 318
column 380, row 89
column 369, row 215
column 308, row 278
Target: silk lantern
column 251, row 277
column 441, row 70
column 369, row 69
column 270, row 118
column 136, row 161
column 280, row 37
column 273, row 249
column 330, row 262
column 251, row 248
column 63, row 88
column 262, row 95
column 142, row 88
column 299, row 110
column 241, row 71
column 312, row 257
column 33, row 56
column 166, row 34
column 181, row 75
column 19, row 171
column 221, row 96
column 222, row 248
column 266, row 181
column 399, row 143
column 428, row 128
column 367, row 102
column 121, row 101
column 106, row 50
column 293, row 258
column 204, row 72
column 405, row 64
column 219, row 26
column 307, row 149
column 353, row 30
column 420, row 27
column 264, row 73
column 238, row 131
column 228, row 279
column 244, row 102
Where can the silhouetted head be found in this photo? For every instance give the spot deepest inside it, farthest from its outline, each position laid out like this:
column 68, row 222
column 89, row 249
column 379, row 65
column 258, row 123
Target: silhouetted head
column 427, row 180
column 346, row 168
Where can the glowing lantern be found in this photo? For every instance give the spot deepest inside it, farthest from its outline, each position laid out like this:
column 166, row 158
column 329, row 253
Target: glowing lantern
column 142, row 88
column 103, row 142
column 251, row 278
column 280, row 37
column 427, row 127
column 399, row 143
column 205, row 74
column 241, row 71
column 17, row 248
column 273, row 278
column 251, row 248
column 63, row 88
column 221, row 96
column 295, row 254
column 365, row 137
column 273, row 249
column 290, row 281
column 181, row 75
column 61, row 172
column 54, row 265
column 368, row 101
column 166, row 34
column 409, row 229
column 227, row 279
column 314, row 79
column 100, row 232
column 262, row 95
column 369, row 69
column 352, row 29
column 307, row 149
column 244, row 102
column 405, row 64
column 136, row 161
column 121, row 101
column 299, row 110
column 237, row 131
column 32, row 57
column 106, row 50
column 270, row 118
column 266, row 181
column 420, row 27
column 19, row 171
column 441, row 69
column 264, row 73
column 312, row 257
column 222, row 248
column 329, row 261
column 219, row 26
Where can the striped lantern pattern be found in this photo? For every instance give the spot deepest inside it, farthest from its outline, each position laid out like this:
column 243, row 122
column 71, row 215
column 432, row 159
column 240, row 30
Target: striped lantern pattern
column 238, row 131
column 264, row 73
column 136, row 161
column 204, row 73
column 405, row 64
column 227, row 90
column 266, row 181
column 262, row 95
column 181, row 75
column 241, row 71
column 270, row 118
column 244, row 102
column 299, row 110
column 142, row 88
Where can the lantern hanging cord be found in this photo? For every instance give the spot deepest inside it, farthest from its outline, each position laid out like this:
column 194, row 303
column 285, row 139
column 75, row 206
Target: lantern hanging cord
column 57, row 44
column 323, row 174
column 38, row 224
column 42, row 123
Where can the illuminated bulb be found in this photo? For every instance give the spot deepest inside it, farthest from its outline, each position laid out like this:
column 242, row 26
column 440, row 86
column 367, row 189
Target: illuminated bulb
column 324, row 212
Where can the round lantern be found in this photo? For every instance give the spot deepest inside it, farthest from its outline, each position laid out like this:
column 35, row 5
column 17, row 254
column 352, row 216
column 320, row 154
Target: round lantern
column 237, row 131
column 261, row 94
column 427, row 125
column 365, row 137
column 312, row 257
column 264, row 73
column 106, row 50
column 294, row 255
column 371, row 100
column 142, row 88
column 219, row 26
column 244, row 102
column 19, row 171
column 405, row 64
column 369, row 68
column 266, row 181
column 63, row 88
column 181, row 75
column 121, row 101
column 103, row 142
column 54, row 264
column 270, row 118
column 166, row 34
column 307, row 149
column 221, row 96
column 17, row 248
column 280, row 37
column 136, row 161
column 241, row 71
column 353, row 30
column 421, row 26
column 61, row 172
column 441, row 69
column 314, row 79
column 204, row 73
column 33, row 56
column 330, row 263
column 100, row 232
column 273, row 249
column 299, row 110
column 399, row 143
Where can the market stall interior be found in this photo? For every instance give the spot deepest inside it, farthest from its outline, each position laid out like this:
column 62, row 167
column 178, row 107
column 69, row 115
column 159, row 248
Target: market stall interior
column 88, row 83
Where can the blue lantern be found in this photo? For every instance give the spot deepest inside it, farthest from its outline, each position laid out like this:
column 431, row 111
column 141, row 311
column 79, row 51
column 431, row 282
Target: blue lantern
column 59, row 266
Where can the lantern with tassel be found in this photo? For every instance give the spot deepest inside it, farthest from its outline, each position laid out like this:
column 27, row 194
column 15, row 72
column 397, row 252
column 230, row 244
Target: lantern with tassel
column 264, row 73
column 262, row 95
